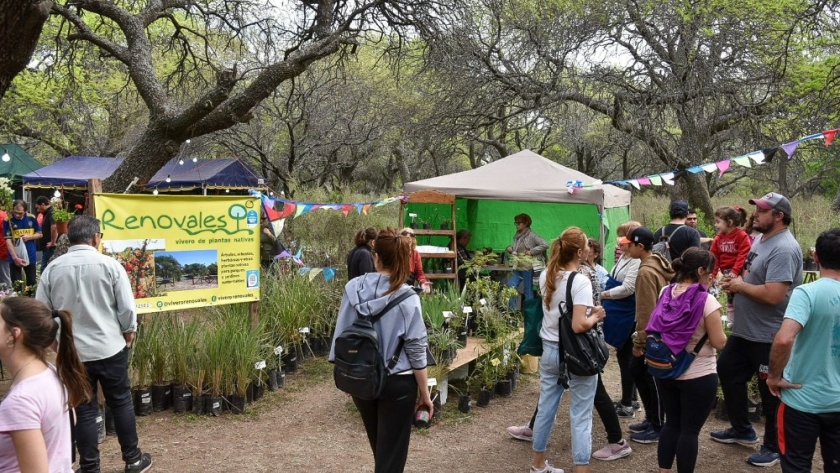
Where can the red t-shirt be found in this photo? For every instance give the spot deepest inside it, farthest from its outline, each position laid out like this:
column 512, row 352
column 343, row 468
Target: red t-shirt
column 731, row 250
column 4, row 251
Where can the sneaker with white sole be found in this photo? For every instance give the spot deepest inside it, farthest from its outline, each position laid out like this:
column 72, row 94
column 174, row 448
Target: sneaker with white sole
column 613, row 451
column 763, row 457
column 521, row 432
column 650, row 435
column 640, row 427
column 142, row 465
column 547, row 469
column 625, row 412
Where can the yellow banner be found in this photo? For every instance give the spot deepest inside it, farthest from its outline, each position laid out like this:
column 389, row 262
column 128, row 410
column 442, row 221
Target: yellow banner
column 184, row 251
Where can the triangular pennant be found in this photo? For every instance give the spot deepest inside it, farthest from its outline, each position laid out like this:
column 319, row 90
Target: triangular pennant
column 769, row 153
column 695, row 169
column 790, row 148
column 283, row 254
column 634, row 183
column 645, row 181
column 829, row 136
column 346, row 209
column 277, row 226
column 288, row 209
column 306, row 209
column 710, row 167
column 723, row 166
column 359, row 208
column 365, row 209
column 757, row 156
column 743, row 161
column 314, row 272
column 656, row 180
column 270, row 213
column 668, row 178
column 299, row 210
column 315, row 207
column 299, row 253
column 329, row 274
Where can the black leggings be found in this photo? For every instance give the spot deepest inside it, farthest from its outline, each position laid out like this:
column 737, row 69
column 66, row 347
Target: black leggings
column 628, row 387
column 17, row 273
column 606, row 411
column 687, row 405
column 388, row 421
column 647, row 391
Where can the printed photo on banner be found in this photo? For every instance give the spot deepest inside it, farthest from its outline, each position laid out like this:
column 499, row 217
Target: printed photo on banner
column 184, row 251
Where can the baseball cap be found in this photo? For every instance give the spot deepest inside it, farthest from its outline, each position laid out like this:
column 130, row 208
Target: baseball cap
column 640, row 235
column 773, row 201
column 679, row 205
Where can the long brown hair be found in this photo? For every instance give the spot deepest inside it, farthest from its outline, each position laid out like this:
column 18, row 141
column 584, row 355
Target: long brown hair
column 563, row 251
column 37, row 323
column 394, row 251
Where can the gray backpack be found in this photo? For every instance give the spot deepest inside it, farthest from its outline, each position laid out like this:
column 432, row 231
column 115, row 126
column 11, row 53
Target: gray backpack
column 662, row 247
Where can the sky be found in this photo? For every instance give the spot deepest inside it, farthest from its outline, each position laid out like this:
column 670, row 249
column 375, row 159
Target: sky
column 204, row 257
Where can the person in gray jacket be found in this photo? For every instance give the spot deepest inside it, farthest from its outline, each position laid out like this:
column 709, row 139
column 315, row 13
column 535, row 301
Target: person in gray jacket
column 388, row 419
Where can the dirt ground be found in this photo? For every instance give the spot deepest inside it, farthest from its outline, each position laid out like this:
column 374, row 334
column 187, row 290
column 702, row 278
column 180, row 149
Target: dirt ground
column 310, row 426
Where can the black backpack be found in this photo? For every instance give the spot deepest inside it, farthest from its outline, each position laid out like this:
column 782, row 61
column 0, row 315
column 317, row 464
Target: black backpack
column 585, row 354
column 360, row 369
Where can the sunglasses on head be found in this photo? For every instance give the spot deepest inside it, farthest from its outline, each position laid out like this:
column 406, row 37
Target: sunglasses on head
column 408, row 234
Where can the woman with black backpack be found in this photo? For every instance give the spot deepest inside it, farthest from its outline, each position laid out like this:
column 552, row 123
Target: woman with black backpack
column 566, row 254
column 401, row 334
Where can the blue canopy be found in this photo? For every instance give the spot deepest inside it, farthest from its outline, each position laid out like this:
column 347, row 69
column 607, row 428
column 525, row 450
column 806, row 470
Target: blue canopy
column 73, row 172
column 222, row 173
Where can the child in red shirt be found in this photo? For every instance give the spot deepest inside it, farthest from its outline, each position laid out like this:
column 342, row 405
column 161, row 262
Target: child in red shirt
column 731, row 245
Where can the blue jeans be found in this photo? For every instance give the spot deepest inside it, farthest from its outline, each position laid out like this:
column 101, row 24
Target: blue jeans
column 581, row 388
column 112, row 374
column 45, row 258
column 519, row 276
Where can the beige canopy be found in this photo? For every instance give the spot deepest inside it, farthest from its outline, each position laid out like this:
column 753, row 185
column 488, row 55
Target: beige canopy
column 526, row 177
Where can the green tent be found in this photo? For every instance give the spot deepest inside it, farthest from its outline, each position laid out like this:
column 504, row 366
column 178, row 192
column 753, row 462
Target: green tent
column 490, row 196
column 19, row 163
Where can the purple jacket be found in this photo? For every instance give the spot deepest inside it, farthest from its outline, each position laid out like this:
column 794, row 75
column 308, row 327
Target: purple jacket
column 676, row 319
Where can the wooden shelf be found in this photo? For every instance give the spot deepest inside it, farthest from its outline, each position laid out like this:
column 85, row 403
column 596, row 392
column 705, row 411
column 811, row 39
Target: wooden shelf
column 418, row 231
column 446, row 255
column 441, row 276
column 477, row 347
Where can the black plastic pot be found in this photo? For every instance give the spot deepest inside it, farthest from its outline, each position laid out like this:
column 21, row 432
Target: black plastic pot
column 272, row 379
column 181, row 398
column 503, row 388
column 199, row 404
column 484, row 397
column 142, row 400
column 412, row 225
column 237, row 404
column 259, row 391
column 462, row 337
column 438, row 407
column 213, row 406
column 249, row 393
column 444, row 226
column 513, row 376
column 290, row 362
column 427, row 226
column 464, row 403
column 160, row 393
column 281, row 378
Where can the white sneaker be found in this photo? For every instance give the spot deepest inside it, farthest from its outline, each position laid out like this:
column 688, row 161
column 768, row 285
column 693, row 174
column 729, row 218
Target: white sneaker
column 613, row 451
column 547, row 469
column 521, row 432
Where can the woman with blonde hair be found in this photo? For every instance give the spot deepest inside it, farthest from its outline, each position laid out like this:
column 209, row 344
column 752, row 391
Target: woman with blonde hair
column 388, row 418
column 34, row 419
column 416, row 274
column 566, row 253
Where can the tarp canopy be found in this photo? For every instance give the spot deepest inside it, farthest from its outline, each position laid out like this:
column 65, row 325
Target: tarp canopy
column 73, row 172
column 20, row 162
column 223, row 173
column 524, row 177
column 488, row 198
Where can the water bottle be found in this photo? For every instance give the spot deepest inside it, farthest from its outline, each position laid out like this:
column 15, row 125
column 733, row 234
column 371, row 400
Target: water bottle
column 421, row 417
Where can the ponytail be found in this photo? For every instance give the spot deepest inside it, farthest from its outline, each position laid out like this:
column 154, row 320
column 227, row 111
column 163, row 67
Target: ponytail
column 70, row 369
column 563, row 251
column 394, row 251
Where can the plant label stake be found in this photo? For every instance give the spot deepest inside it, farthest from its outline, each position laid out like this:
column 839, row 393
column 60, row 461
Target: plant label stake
column 260, row 365
column 448, row 314
column 304, row 331
column 483, row 301
column 431, row 382
column 278, row 350
column 467, row 310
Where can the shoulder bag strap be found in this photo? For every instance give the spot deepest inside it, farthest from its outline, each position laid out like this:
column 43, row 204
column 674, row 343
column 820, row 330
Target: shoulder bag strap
column 393, row 303
column 700, row 344
column 569, row 301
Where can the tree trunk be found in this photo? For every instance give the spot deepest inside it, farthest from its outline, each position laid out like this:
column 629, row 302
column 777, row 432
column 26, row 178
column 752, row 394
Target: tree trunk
column 22, row 24
column 835, row 204
column 694, row 186
column 151, row 152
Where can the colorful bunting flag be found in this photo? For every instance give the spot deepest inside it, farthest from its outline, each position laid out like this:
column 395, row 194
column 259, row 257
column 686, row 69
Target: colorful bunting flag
column 723, row 166
column 645, row 181
column 790, row 148
column 829, row 136
column 709, row 168
column 656, row 180
column 668, row 177
column 743, row 161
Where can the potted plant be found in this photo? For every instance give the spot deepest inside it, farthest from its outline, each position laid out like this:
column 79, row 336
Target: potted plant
column 413, row 224
column 60, row 214
column 139, row 361
column 184, row 339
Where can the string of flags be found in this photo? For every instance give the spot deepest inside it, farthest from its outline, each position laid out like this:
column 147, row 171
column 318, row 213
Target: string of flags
column 747, row 160
column 294, row 209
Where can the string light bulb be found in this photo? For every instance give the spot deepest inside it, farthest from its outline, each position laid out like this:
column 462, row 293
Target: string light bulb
column 227, row 190
column 195, row 160
column 6, row 157
column 155, row 192
column 57, row 193
column 188, row 141
column 168, row 178
column 181, row 162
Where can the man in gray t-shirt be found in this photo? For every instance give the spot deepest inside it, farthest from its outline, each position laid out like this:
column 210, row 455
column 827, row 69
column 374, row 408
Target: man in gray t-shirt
column 773, row 269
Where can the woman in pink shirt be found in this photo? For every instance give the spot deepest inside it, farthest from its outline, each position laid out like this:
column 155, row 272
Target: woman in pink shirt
column 34, row 419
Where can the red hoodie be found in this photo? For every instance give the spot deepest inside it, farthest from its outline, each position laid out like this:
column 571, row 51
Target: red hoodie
column 731, row 250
